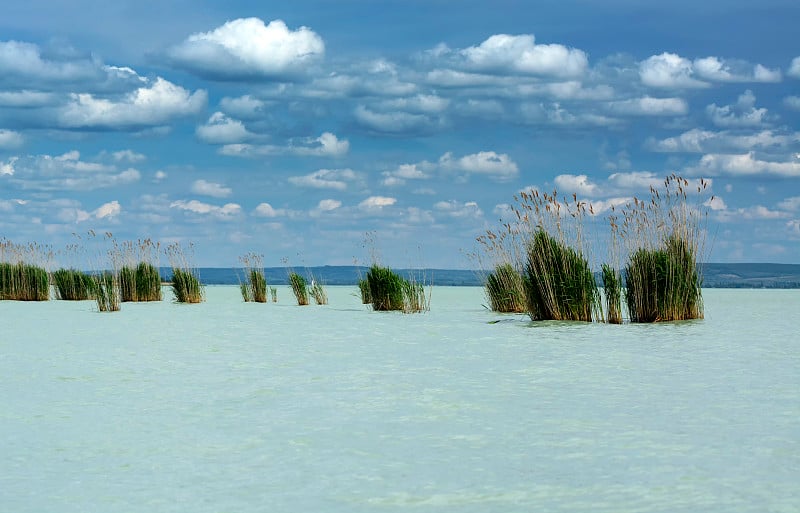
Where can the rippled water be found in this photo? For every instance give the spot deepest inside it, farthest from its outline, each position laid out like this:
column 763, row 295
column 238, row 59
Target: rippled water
column 233, row 407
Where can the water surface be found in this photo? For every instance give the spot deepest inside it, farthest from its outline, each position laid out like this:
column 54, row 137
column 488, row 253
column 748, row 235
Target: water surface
column 227, row 406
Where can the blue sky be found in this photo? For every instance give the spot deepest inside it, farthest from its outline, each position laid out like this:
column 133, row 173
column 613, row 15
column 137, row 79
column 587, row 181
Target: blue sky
column 293, row 129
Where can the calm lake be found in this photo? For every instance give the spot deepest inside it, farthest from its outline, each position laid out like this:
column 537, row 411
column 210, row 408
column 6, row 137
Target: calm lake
column 233, row 407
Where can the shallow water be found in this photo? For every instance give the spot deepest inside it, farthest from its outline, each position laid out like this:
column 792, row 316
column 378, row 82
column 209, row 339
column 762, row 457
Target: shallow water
column 227, row 406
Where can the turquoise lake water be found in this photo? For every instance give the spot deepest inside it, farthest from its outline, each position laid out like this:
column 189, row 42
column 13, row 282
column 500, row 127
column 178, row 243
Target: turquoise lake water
column 233, row 407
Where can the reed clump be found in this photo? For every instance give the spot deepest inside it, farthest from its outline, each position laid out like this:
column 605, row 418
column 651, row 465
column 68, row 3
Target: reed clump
column 139, row 277
column 254, row 285
column 23, row 282
column 612, row 289
column 664, row 238
column 385, row 288
column 363, row 290
column 73, row 285
column 185, row 284
column 414, row 298
column 560, row 283
column 391, row 292
column 663, row 284
column 546, row 241
column 23, row 271
column 107, row 291
column 318, row 292
column 299, row 288
column 505, row 289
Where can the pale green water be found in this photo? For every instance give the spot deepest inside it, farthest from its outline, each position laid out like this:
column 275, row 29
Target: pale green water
column 233, row 407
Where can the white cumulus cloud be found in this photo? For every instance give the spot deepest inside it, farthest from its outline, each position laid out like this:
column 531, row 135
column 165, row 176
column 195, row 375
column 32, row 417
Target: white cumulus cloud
column 9, row 139
column 326, row 145
column 155, row 104
column 246, row 48
column 376, row 203
column 64, row 172
column 577, row 184
column 221, row 129
column 520, row 54
column 224, row 212
column 107, row 210
column 266, row 210
column 671, row 71
column 743, row 165
column 326, row 179
column 648, row 106
column 497, row 166
column 743, row 114
column 213, row 189
column 794, row 68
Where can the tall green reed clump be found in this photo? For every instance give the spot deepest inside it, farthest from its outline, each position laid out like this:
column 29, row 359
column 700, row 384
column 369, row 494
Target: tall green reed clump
column 547, row 238
column 107, row 291
column 363, row 291
column 414, row 298
column 318, row 292
column 612, row 289
column 73, row 285
column 139, row 277
column 391, row 292
column 186, row 285
column 107, row 287
column 502, row 253
column 560, row 283
column 385, row 288
column 23, row 274
column 664, row 238
column 299, row 288
column 254, row 285
column 505, row 289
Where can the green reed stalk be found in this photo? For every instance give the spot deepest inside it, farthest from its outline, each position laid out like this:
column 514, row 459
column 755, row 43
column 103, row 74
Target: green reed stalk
column 186, row 286
column 561, row 286
column 299, row 288
column 148, row 282
column 505, row 289
column 107, row 292
column 612, row 289
column 385, row 289
column 72, row 285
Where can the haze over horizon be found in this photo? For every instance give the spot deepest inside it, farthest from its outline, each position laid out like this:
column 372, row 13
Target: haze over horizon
column 293, row 130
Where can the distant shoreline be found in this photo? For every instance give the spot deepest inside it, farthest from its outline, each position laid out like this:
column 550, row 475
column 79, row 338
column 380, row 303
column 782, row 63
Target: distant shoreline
column 715, row 275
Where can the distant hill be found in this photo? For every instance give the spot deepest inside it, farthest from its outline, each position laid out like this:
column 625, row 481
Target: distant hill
column 753, row 275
